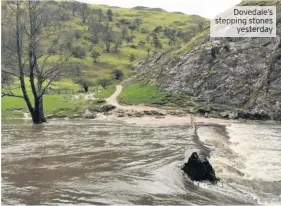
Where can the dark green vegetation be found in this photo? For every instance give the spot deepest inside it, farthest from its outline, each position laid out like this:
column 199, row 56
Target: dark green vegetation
column 81, row 46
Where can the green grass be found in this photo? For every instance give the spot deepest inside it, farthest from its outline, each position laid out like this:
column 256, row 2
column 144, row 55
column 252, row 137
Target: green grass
column 142, row 94
column 194, row 41
column 60, row 105
column 65, row 84
column 150, row 94
column 105, row 93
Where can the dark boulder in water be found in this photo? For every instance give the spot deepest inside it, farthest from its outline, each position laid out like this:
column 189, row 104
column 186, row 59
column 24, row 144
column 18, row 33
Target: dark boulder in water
column 199, row 169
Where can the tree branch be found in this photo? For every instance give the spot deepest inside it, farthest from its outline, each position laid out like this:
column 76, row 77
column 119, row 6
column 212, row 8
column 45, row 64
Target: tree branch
column 11, row 95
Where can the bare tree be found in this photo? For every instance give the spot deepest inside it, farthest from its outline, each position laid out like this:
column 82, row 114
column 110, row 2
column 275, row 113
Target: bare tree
column 132, row 27
column 95, row 56
column 85, row 84
column 104, row 83
column 100, row 15
column 108, row 38
column 85, row 10
column 117, row 43
column 124, row 31
column 25, row 56
column 109, row 14
column 118, row 74
column 74, row 7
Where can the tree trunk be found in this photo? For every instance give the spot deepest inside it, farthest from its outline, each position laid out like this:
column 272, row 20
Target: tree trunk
column 86, row 88
column 36, row 117
column 108, row 47
column 41, row 108
column 37, row 113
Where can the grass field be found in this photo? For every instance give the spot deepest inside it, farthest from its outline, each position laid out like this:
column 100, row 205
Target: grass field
column 59, row 105
column 139, row 93
column 105, row 93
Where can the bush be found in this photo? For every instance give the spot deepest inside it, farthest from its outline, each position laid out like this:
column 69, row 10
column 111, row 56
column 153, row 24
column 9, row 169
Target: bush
column 133, row 46
column 141, row 43
column 143, row 31
column 118, row 74
column 77, row 34
column 132, row 57
column 85, row 84
column 52, row 51
column 104, row 82
column 78, row 52
column 95, row 56
column 93, row 39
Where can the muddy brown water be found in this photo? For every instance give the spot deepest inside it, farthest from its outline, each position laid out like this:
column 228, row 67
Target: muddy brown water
column 98, row 162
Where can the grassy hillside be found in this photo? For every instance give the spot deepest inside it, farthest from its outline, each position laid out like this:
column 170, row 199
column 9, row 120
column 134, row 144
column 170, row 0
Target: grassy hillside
column 144, row 29
column 101, row 39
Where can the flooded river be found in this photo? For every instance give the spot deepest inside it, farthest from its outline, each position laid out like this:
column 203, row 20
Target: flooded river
column 96, row 162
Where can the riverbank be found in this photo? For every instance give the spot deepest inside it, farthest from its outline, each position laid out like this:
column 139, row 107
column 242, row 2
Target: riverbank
column 88, row 106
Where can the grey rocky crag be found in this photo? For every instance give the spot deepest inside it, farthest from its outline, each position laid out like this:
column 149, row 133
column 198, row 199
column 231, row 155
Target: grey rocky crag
column 240, row 77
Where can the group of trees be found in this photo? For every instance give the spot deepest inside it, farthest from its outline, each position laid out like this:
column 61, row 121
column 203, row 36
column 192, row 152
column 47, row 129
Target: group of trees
column 85, row 11
column 85, row 83
column 106, row 30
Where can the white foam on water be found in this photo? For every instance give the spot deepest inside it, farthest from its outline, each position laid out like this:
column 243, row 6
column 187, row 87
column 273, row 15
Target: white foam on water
column 258, row 148
column 247, row 159
column 26, row 116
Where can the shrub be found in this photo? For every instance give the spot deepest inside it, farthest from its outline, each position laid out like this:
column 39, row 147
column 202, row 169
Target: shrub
column 132, row 57
column 78, row 52
column 104, row 82
column 95, row 55
column 77, row 34
column 118, row 74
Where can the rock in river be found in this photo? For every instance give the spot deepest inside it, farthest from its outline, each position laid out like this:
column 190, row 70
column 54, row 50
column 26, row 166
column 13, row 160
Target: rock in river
column 199, row 169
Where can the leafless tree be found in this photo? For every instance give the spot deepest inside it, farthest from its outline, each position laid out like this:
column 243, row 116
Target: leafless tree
column 108, row 37
column 117, row 43
column 85, row 84
column 95, row 56
column 109, row 14
column 124, row 31
column 104, row 82
column 23, row 52
column 117, row 74
column 85, row 11
column 74, row 7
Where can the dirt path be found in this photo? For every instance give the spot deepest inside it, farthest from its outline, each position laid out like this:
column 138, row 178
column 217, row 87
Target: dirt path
column 113, row 101
column 167, row 120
